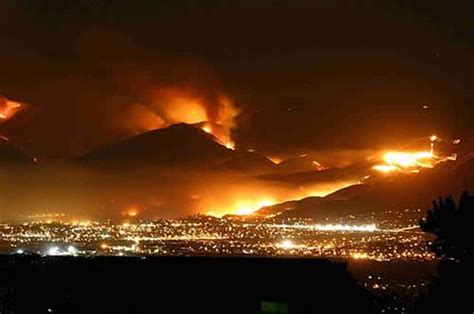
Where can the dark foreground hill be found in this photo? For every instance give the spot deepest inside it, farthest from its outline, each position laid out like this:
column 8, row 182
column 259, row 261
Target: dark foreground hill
column 178, row 285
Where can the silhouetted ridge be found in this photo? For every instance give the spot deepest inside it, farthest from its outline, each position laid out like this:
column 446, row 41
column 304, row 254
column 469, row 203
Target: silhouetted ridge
column 177, row 145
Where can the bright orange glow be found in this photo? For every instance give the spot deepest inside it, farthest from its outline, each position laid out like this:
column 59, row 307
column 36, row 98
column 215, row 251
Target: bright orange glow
column 244, row 207
column 384, row 168
column 131, row 212
column 248, row 208
column 318, row 166
column 230, row 145
column 249, row 201
column 207, row 129
column 219, row 133
column 187, row 110
column 407, row 160
column 276, row 160
column 177, row 105
column 411, row 161
column 359, row 255
column 8, row 108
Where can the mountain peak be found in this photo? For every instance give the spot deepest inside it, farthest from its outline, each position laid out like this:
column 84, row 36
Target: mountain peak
column 175, row 146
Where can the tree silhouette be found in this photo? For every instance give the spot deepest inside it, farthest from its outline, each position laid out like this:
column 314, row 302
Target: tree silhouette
column 452, row 225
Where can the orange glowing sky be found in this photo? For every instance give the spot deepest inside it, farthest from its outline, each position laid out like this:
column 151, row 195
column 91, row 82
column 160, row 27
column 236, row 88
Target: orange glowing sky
column 112, row 74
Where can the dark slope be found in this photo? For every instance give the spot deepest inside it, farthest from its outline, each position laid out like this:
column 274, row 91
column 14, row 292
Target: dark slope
column 179, row 145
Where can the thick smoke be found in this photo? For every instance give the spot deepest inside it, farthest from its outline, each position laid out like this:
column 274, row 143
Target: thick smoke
column 112, row 90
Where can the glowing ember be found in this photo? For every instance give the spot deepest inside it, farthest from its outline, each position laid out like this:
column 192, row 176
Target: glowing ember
column 207, row 129
column 221, row 135
column 8, row 109
column 276, row 160
column 230, row 145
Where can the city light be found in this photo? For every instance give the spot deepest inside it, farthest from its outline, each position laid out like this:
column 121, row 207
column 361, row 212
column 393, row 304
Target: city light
column 390, row 235
column 286, row 244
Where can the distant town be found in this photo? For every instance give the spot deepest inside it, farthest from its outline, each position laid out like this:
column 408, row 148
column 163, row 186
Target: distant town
column 386, row 236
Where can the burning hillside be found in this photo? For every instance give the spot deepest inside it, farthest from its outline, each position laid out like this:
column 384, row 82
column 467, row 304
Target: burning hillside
column 413, row 162
column 214, row 114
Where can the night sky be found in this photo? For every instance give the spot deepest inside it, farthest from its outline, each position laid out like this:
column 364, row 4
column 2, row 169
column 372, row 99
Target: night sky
column 306, row 75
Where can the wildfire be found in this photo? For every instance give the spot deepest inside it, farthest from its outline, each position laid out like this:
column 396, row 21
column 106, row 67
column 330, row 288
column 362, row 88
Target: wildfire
column 131, row 212
column 403, row 160
column 275, row 159
column 207, row 129
column 215, row 116
column 219, row 133
column 411, row 161
column 244, row 207
column 8, row 109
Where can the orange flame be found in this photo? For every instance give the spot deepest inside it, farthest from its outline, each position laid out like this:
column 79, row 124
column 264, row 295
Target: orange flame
column 275, row 159
column 411, row 161
column 244, row 207
column 131, row 212
column 175, row 105
column 8, row 109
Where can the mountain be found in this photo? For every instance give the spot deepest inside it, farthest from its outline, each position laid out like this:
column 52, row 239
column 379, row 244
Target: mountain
column 391, row 192
column 179, row 145
column 330, row 206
